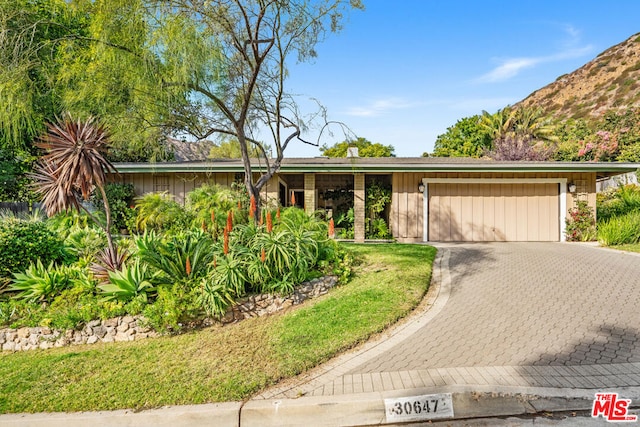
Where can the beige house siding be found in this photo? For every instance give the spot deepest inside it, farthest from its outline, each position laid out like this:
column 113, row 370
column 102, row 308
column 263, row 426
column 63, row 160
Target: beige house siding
column 177, row 184
column 180, row 184
column 407, row 203
column 406, row 218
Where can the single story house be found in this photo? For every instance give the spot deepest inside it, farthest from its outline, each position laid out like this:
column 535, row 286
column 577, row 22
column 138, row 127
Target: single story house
column 433, row 199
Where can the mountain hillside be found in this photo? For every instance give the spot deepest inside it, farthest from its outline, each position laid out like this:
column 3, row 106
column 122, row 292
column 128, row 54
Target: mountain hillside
column 610, row 81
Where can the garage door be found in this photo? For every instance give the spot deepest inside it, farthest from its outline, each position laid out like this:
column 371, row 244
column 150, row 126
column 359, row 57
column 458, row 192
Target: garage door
column 494, row 212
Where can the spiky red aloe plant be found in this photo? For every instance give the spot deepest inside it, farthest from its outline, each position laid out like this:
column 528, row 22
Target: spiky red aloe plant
column 332, row 228
column 229, row 225
column 278, row 214
column 74, row 164
column 225, row 247
column 252, row 208
column 187, row 267
column 263, row 255
column 269, row 222
column 293, row 199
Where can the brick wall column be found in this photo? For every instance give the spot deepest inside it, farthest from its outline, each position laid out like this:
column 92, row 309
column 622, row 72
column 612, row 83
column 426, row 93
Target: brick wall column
column 309, row 193
column 358, row 207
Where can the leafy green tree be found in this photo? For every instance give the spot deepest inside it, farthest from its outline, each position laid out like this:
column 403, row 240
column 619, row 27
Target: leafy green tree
column 89, row 58
column 29, row 48
column 570, row 132
column 365, row 147
column 232, row 56
column 14, row 183
column 524, row 122
column 30, row 31
column 116, row 73
column 230, row 149
column 467, row 138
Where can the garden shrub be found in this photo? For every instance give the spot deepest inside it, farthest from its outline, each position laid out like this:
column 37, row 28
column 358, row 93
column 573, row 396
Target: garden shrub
column 120, row 197
column 159, row 212
column 86, row 242
column 177, row 274
column 620, row 230
column 131, row 281
column 181, row 257
column 617, row 202
column 580, row 224
column 174, row 308
column 24, row 242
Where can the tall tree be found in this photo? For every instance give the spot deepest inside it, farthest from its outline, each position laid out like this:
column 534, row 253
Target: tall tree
column 520, row 133
column 232, row 55
column 230, row 149
column 467, row 138
column 525, row 122
column 115, row 72
column 365, row 148
column 30, row 35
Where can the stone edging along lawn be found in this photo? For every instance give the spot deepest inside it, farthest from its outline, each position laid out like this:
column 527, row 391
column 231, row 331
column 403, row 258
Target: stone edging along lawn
column 131, row 328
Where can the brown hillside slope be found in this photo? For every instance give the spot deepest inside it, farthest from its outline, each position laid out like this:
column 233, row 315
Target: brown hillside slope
column 610, row 81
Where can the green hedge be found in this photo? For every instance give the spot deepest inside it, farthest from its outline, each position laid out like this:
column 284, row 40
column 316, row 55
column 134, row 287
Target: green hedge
column 23, row 242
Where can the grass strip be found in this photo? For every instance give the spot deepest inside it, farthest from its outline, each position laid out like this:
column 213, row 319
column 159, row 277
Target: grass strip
column 221, row 363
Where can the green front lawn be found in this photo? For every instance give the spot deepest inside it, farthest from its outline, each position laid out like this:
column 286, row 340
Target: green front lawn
column 629, row 247
column 221, row 363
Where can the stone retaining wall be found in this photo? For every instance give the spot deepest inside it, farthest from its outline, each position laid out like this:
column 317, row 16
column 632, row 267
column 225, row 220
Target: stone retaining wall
column 127, row 328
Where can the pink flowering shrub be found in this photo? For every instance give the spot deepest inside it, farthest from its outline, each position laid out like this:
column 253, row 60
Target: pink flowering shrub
column 602, row 147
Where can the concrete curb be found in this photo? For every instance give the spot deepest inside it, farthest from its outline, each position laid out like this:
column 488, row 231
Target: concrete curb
column 346, row 410
column 213, row 414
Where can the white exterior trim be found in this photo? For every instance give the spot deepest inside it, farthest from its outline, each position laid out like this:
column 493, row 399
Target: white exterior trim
column 562, row 195
column 425, row 210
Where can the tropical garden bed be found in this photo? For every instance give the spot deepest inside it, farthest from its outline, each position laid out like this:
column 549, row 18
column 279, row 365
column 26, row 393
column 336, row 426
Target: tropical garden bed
column 222, row 363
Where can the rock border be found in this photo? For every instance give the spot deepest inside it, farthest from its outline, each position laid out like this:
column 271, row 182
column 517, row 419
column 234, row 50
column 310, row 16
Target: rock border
column 129, row 328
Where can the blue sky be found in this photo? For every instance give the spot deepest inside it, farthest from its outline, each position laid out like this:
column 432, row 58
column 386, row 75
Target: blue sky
column 403, row 71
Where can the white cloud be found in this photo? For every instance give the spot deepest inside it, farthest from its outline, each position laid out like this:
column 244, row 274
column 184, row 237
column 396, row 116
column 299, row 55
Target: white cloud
column 380, row 107
column 508, row 68
column 511, row 67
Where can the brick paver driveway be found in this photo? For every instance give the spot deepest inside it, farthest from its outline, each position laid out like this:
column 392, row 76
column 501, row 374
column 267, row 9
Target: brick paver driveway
column 550, row 315
column 535, row 304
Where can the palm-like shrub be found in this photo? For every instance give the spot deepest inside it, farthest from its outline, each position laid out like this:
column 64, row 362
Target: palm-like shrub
column 211, row 198
column 158, row 211
column 180, row 258
column 74, row 165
